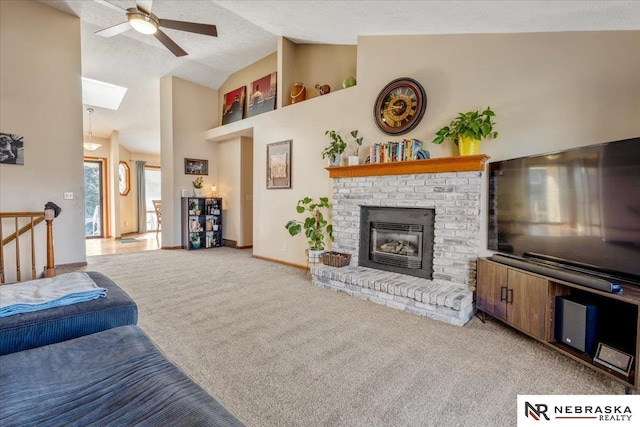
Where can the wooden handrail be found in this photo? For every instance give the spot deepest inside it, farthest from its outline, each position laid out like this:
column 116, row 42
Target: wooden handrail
column 35, row 218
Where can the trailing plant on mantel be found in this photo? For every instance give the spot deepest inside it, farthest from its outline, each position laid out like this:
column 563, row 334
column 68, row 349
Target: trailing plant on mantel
column 316, row 228
column 358, row 141
column 335, row 148
column 472, row 124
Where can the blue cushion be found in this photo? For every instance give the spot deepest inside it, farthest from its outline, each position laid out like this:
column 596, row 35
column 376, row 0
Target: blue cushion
column 111, row 378
column 29, row 330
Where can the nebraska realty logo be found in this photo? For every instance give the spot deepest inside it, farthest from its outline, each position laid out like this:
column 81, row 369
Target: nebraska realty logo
column 578, row 410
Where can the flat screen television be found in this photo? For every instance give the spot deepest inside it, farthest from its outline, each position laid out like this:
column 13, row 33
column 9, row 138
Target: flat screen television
column 579, row 208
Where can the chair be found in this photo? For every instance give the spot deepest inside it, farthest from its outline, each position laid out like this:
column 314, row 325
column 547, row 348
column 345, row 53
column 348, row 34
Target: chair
column 157, row 204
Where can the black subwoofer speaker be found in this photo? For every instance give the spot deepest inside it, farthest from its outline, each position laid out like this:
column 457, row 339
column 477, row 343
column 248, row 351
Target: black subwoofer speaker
column 576, row 323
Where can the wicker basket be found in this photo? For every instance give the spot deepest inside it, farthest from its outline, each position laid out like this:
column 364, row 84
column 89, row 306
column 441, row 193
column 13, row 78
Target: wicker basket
column 336, row 259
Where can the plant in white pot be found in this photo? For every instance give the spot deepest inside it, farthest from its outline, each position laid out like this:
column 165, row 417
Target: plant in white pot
column 335, row 148
column 316, row 228
column 354, row 160
column 467, row 130
column 197, row 186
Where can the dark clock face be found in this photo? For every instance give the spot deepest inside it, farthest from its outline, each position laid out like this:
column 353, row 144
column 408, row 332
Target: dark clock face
column 400, row 106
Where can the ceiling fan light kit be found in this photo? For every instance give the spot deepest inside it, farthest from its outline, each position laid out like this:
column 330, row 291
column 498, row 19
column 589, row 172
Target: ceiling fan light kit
column 143, row 21
column 90, row 145
column 145, row 24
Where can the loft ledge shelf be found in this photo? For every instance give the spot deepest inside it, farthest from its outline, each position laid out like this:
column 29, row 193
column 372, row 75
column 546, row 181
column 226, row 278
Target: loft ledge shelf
column 229, row 131
column 438, row 165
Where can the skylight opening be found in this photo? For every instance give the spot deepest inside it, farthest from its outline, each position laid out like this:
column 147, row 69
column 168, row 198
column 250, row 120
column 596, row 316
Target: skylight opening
column 101, row 94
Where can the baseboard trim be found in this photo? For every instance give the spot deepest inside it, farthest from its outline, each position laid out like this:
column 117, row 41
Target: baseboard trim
column 72, row 265
column 229, row 243
column 244, row 247
column 277, row 261
column 170, row 248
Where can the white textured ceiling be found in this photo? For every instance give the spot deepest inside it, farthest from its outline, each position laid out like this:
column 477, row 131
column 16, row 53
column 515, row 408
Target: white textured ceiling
column 249, row 30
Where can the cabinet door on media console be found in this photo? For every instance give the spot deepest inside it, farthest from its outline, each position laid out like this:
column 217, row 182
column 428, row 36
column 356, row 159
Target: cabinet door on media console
column 526, row 302
column 492, row 289
column 517, row 298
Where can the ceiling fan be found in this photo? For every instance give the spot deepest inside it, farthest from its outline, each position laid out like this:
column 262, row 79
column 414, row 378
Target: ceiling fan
column 142, row 20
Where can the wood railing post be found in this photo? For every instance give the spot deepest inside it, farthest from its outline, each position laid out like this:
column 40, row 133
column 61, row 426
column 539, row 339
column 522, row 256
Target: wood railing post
column 50, row 268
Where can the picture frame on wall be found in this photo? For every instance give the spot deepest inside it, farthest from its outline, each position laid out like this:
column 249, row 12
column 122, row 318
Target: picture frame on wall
column 233, row 107
column 196, row 167
column 11, row 149
column 262, row 95
column 279, row 165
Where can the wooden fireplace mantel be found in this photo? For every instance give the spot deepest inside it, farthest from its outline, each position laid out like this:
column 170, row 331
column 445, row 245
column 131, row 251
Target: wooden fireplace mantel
column 438, row 165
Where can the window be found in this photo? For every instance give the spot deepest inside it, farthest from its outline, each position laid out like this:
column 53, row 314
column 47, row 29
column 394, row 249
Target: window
column 153, row 192
column 124, row 178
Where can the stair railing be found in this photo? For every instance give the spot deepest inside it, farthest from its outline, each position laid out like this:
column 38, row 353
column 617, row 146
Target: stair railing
column 34, row 218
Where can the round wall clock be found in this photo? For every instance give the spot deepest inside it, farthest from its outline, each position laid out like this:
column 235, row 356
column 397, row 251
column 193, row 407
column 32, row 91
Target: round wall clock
column 123, row 178
column 400, row 106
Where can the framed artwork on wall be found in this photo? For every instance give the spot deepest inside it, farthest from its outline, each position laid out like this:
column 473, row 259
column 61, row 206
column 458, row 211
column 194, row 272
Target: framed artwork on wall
column 233, row 108
column 196, row 167
column 279, row 165
column 262, row 95
column 11, row 149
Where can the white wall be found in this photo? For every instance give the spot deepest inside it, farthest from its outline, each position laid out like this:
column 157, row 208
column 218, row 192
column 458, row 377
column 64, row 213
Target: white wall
column 41, row 99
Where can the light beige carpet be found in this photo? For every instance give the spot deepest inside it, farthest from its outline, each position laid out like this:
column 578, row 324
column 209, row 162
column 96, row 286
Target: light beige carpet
column 278, row 351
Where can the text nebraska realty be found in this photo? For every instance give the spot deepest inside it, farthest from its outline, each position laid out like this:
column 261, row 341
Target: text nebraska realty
column 601, row 413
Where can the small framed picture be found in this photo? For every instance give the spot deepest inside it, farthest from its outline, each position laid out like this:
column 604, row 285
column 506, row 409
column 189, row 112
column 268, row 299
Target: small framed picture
column 233, row 108
column 196, row 167
column 279, row 165
column 11, row 149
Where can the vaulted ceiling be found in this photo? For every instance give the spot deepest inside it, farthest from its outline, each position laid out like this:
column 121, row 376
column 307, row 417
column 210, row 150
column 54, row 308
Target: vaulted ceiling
column 249, row 31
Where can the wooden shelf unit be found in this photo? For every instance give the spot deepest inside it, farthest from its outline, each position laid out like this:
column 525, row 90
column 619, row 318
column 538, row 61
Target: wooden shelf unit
column 526, row 301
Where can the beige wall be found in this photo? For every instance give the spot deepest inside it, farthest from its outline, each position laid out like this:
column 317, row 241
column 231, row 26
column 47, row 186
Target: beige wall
column 229, row 188
column 235, row 186
column 187, row 110
column 41, row 99
column 246, row 192
column 323, row 64
column 550, row 91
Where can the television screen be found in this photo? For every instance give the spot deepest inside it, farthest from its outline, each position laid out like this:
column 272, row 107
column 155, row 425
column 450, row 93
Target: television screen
column 580, row 207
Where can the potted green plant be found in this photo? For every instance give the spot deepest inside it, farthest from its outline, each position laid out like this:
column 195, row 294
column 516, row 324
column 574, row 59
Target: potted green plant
column 467, row 130
column 316, row 228
column 195, row 240
column 354, row 160
column 197, row 186
column 335, row 148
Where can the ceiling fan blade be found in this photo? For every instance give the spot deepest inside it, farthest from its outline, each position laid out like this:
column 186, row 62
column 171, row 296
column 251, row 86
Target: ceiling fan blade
column 114, row 30
column 170, row 44
column 192, row 27
column 110, row 5
column 144, row 6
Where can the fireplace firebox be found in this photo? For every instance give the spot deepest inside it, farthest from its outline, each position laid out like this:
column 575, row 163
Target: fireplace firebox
column 397, row 239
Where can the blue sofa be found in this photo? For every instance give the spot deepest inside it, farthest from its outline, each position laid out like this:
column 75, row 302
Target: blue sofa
column 89, row 364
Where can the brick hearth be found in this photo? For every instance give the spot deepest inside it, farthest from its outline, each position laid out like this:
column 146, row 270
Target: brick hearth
column 455, row 196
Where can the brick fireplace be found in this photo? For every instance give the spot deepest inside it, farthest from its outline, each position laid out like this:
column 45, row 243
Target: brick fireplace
column 450, row 187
